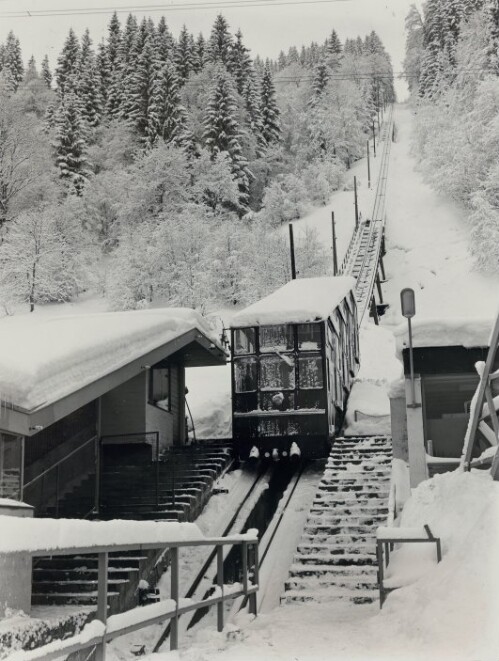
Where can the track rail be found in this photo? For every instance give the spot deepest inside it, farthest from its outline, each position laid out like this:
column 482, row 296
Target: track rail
column 204, row 569
column 364, row 251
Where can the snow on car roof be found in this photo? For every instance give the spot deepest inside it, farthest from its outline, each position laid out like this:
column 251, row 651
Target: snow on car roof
column 297, row 302
column 445, row 332
column 43, row 359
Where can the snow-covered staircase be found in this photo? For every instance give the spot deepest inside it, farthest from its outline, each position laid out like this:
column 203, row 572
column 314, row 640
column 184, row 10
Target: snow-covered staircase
column 336, row 556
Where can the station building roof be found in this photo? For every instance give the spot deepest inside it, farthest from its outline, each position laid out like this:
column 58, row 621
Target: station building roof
column 299, row 301
column 49, row 366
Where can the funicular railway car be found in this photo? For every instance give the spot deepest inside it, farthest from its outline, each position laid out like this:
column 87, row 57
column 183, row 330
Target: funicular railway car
column 295, row 354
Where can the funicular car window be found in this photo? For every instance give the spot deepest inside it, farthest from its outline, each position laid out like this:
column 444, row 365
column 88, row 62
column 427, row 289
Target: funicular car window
column 277, row 372
column 277, row 400
column 244, row 341
column 276, row 338
column 310, row 372
column 245, row 374
column 309, row 337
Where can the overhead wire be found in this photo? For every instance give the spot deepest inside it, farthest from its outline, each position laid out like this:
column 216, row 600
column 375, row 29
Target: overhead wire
column 178, row 6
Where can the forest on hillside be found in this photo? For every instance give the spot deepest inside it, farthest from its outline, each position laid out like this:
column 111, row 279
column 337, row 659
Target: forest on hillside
column 452, row 65
column 150, row 167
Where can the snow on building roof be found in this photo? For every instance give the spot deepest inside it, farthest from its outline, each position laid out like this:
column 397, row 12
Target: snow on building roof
column 43, row 359
column 297, row 302
column 456, row 331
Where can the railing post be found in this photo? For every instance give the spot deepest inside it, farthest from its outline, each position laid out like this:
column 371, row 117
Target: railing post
column 103, row 558
column 256, row 580
column 220, row 583
column 174, row 594
column 57, row 491
column 173, row 476
column 157, row 469
column 97, row 474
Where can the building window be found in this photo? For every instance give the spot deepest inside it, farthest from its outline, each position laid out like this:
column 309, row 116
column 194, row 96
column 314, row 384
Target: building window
column 160, row 388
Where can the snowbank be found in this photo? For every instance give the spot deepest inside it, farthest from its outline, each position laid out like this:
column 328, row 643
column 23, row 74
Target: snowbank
column 368, row 410
column 458, row 331
column 45, row 358
column 453, row 608
column 299, row 301
column 209, row 399
column 26, row 534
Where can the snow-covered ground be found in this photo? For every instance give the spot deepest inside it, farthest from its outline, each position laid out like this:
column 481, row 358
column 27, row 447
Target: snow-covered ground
column 450, row 612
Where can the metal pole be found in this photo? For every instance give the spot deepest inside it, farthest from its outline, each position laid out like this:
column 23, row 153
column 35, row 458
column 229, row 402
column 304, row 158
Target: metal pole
column 220, row 583
column 374, row 311
column 103, row 560
column 335, row 253
column 374, row 140
column 174, row 594
column 411, row 364
column 97, row 475
column 292, row 252
column 356, row 202
column 378, row 286
column 157, row 469
column 368, row 165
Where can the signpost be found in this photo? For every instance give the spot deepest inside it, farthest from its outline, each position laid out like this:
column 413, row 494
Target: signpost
column 408, row 304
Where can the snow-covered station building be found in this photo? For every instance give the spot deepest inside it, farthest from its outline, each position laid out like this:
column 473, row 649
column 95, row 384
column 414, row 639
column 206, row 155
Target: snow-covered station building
column 71, row 384
column 429, row 417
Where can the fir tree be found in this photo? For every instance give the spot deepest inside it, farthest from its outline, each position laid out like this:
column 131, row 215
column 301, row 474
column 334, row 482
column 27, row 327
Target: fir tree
column 129, row 47
column 321, row 79
column 252, row 105
column 114, row 42
column 196, row 65
column 31, row 71
column 165, row 44
column 167, row 116
column 13, row 68
column 240, row 62
column 220, row 43
column 222, row 132
column 103, row 73
column 333, row 44
column 184, row 55
column 271, row 125
column 46, row 73
column 140, row 85
column 86, row 51
column 66, row 73
column 69, row 144
column 201, row 50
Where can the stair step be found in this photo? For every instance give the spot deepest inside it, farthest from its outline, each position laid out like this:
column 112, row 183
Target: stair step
column 327, row 596
column 324, row 581
column 57, row 575
column 68, row 598
column 335, row 560
column 74, row 586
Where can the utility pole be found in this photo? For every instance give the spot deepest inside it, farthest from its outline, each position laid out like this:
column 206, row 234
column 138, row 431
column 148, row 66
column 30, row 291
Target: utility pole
column 292, row 252
column 356, row 202
column 374, row 140
column 335, row 254
column 368, row 165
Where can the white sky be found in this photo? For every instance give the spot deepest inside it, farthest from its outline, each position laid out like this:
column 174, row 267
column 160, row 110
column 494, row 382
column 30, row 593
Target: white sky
column 266, row 30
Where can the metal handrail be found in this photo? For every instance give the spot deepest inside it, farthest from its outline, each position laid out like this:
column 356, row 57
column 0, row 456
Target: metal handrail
column 58, row 463
column 106, row 629
column 56, row 467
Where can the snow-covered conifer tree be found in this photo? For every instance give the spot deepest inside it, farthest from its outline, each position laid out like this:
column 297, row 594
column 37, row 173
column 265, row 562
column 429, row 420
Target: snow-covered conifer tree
column 271, row 125
column 46, row 73
column 222, row 132
column 70, row 146
column 321, row 78
column 167, row 116
column 12, row 68
column 184, row 56
column 165, row 44
column 240, row 62
column 66, row 73
column 219, row 45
